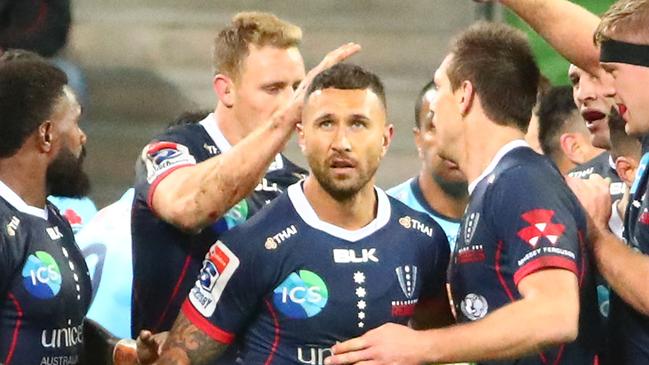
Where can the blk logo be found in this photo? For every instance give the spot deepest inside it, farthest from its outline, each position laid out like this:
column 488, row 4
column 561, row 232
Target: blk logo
column 345, row 256
column 541, row 225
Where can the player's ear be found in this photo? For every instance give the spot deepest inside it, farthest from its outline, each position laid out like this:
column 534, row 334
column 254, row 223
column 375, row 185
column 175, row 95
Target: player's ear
column 626, row 168
column 418, row 140
column 571, row 148
column 388, row 133
column 223, row 88
column 299, row 128
column 44, row 136
column 467, row 95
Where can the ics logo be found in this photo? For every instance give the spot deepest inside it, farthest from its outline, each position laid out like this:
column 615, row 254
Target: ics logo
column 301, row 295
column 41, row 275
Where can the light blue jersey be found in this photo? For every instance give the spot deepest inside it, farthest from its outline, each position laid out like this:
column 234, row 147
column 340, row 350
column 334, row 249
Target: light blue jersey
column 77, row 211
column 106, row 245
column 410, row 194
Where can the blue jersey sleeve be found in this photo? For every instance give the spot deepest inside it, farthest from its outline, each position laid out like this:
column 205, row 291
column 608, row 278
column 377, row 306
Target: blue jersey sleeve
column 538, row 223
column 228, row 291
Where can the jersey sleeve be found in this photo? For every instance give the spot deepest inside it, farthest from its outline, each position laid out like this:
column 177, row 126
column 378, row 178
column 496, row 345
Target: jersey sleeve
column 438, row 249
column 228, row 291
column 538, row 223
column 160, row 158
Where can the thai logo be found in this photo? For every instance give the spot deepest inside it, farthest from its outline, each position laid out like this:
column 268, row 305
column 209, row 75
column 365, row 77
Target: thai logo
column 41, row 275
column 302, row 295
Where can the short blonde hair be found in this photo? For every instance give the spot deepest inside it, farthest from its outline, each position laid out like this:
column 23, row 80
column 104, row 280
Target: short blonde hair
column 261, row 29
column 626, row 18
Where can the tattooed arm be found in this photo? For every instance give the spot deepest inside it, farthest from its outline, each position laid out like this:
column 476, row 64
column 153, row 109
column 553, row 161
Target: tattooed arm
column 187, row 344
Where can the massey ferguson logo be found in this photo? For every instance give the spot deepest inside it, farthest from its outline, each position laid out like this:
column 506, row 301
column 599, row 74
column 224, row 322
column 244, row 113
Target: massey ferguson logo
column 345, row 256
column 407, row 276
column 471, row 224
column 541, row 225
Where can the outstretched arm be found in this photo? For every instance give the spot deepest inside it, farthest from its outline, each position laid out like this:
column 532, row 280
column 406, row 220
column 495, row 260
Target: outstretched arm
column 195, row 196
column 568, row 27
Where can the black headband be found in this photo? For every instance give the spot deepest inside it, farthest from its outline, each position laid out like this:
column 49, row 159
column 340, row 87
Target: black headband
column 622, row 52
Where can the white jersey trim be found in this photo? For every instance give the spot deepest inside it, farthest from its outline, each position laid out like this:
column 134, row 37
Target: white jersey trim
column 494, row 162
column 211, row 126
column 309, row 216
column 17, row 202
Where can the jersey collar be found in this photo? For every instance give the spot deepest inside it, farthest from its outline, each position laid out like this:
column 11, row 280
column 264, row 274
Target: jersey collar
column 309, row 216
column 17, row 202
column 494, row 162
column 211, row 126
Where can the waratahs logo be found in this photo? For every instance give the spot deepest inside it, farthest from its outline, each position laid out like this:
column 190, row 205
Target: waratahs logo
column 301, row 295
column 41, row 275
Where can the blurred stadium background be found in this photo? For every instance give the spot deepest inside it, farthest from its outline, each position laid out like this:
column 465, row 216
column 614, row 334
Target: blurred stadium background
column 146, row 61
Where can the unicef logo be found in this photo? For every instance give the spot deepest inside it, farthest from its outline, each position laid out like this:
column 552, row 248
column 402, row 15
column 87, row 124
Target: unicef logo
column 301, row 295
column 474, row 306
column 41, row 275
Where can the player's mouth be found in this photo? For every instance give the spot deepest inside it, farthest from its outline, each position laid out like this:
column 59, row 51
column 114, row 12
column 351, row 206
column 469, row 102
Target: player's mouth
column 342, row 164
column 594, row 119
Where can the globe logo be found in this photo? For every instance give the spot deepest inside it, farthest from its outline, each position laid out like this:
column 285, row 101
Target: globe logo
column 41, row 275
column 302, row 295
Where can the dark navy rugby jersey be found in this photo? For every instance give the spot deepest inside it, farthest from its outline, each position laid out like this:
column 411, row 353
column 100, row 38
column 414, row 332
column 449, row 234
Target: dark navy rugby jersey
column 44, row 285
column 604, row 166
column 629, row 328
column 292, row 285
column 163, row 255
column 522, row 218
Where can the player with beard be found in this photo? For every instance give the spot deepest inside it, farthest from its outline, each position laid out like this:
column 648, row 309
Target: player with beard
column 44, row 281
column 521, row 287
column 328, row 260
column 197, row 181
column 440, row 189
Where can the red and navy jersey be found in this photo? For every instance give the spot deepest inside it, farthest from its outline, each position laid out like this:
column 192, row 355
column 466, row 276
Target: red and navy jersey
column 164, row 257
column 45, row 289
column 289, row 286
column 522, row 218
column 629, row 328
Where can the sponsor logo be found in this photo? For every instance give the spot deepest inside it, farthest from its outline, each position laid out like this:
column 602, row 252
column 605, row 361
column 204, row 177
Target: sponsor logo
column 407, row 276
column 161, row 156
column 218, row 267
column 212, row 150
column 546, row 250
column 469, row 254
column 474, row 306
column 616, row 188
column 347, row 256
column 470, row 226
column 274, row 241
column 408, row 223
column 62, row 337
column 74, row 219
column 403, row 308
column 237, row 214
column 54, row 233
column 264, row 185
column 541, row 225
column 644, row 217
column 12, row 226
column 60, row 360
column 41, row 275
column 582, row 174
column 302, row 295
column 313, row 355
column 277, row 164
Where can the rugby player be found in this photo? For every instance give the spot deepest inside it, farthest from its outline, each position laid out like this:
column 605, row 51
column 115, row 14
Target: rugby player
column 440, row 188
column 44, row 282
column 194, row 182
column 519, row 277
column 330, row 259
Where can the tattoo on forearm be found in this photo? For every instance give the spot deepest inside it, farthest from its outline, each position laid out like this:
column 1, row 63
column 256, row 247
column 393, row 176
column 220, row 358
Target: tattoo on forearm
column 187, row 344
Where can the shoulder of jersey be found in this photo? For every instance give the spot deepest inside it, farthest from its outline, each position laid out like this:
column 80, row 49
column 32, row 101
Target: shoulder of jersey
column 275, row 227
column 419, row 223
